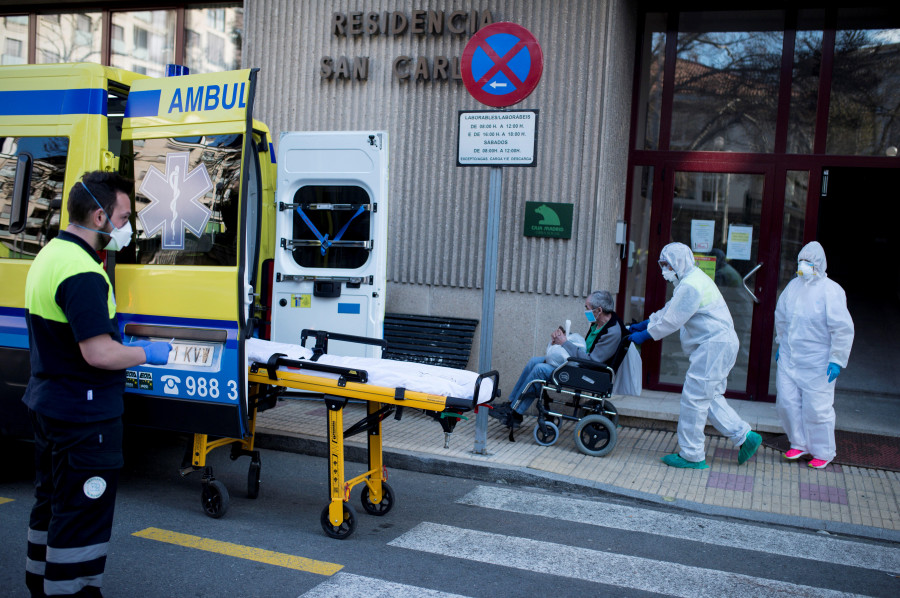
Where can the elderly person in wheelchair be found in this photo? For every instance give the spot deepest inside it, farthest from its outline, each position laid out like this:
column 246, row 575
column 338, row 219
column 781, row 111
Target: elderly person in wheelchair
column 602, row 340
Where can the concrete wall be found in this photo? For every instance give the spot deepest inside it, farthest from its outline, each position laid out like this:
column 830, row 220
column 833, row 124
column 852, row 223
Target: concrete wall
column 438, row 211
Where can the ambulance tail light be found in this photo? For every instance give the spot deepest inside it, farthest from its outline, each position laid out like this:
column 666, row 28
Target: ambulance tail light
column 177, row 70
column 265, row 299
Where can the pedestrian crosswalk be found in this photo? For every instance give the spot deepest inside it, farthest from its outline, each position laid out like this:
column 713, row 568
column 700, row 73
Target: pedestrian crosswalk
column 686, row 527
column 597, row 566
column 513, row 555
column 347, row 585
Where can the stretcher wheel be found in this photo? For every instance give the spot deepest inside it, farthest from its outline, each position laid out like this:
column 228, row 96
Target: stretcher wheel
column 595, row 435
column 547, row 437
column 253, row 479
column 382, row 508
column 214, row 499
column 345, row 529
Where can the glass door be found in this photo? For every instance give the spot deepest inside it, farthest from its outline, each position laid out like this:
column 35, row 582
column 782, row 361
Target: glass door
column 725, row 217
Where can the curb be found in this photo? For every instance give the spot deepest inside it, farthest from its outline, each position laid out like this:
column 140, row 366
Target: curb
column 523, row 477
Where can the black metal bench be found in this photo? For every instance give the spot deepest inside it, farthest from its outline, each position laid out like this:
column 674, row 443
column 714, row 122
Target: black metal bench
column 433, row 340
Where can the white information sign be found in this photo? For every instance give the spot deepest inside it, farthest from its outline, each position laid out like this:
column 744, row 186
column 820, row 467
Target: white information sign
column 497, row 138
column 740, row 242
column 702, row 235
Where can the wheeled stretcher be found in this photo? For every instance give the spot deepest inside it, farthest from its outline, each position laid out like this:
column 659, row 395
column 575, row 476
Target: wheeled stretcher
column 333, row 379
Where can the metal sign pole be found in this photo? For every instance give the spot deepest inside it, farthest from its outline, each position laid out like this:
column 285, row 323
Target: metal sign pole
column 489, row 291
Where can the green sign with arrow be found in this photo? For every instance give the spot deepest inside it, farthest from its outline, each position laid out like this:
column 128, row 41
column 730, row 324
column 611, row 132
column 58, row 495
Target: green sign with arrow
column 545, row 219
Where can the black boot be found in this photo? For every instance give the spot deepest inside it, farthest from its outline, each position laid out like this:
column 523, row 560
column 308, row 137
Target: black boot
column 501, row 412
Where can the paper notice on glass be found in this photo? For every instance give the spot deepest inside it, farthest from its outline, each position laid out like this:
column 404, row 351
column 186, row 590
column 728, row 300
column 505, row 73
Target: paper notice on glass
column 707, row 264
column 702, row 235
column 740, row 242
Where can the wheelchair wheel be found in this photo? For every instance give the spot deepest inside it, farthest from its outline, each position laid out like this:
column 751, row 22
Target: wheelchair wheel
column 549, row 436
column 595, row 435
column 610, row 413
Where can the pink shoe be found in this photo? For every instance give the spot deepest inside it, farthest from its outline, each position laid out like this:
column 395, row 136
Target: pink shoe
column 819, row 463
column 794, row 454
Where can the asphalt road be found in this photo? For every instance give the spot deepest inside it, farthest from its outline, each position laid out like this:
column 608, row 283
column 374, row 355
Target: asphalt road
column 445, row 536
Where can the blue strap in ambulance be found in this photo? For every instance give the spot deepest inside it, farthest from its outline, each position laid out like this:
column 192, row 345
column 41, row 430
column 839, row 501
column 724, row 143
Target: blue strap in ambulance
column 323, row 239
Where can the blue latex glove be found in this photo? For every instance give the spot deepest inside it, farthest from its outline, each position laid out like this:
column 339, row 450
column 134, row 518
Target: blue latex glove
column 777, row 349
column 157, row 353
column 136, row 343
column 639, row 337
column 639, row 326
column 833, row 371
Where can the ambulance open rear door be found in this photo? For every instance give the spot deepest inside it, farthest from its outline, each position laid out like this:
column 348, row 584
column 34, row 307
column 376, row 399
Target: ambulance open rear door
column 331, row 237
column 201, row 167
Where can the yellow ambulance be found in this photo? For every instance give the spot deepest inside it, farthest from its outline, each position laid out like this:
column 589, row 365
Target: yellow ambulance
column 217, row 255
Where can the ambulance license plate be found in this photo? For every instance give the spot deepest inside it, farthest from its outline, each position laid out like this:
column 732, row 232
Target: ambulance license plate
column 194, row 354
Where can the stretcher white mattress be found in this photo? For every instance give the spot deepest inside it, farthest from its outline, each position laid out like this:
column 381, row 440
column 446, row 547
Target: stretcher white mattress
column 388, row 373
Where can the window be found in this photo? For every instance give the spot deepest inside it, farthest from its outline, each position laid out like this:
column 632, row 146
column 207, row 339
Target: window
column 68, row 37
column 12, row 53
column 83, row 23
column 206, row 49
column 864, row 113
column 45, row 199
column 151, row 44
column 215, row 18
column 142, row 41
column 184, row 217
column 727, row 72
column 339, row 212
column 216, row 50
column 118, row 39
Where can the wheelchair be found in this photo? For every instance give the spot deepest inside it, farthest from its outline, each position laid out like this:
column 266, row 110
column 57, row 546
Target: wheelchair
column 586, row 387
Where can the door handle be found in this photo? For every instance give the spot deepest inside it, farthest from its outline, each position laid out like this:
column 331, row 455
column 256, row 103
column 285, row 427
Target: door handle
column 749, row 274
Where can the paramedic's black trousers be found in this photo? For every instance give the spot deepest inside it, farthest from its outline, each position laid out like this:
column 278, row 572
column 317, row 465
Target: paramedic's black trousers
column 77, row 472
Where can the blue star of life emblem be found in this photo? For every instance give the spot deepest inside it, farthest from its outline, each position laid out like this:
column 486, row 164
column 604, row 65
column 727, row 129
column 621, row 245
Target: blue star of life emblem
column 175, row 200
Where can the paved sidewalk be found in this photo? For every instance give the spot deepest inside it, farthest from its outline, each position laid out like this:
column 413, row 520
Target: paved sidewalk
column 839, row 499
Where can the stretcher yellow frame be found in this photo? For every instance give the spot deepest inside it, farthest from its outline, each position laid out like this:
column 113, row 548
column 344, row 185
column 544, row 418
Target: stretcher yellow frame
column 338, row 519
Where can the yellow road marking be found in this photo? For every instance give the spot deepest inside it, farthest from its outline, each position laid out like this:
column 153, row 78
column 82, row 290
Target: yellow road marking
column 243, row 552
column 5, row 500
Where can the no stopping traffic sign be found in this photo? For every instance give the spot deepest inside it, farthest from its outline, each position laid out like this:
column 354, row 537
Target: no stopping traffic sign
column 502, row 64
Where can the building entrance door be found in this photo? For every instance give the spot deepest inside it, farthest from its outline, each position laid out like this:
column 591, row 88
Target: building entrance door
column 857, row 226
column 726, row 217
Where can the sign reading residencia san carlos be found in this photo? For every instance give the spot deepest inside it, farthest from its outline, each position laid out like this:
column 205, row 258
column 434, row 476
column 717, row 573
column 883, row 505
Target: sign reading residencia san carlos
column 396, row 25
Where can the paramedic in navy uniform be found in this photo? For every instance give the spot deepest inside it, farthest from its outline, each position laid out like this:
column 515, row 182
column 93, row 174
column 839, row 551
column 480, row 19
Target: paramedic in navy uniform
column 74, row 395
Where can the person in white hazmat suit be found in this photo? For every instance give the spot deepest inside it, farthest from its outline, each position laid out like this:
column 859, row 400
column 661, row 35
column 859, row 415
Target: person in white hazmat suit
column 814, row 333
column 698, row 310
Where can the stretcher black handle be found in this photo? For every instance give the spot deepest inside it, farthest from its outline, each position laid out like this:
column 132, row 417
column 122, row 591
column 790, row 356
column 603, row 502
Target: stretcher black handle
column 278, row 359
column 322, row 337
column 494, row 375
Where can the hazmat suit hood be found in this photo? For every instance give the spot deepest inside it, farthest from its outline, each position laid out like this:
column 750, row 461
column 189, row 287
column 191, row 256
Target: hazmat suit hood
column 681, row 258
column 815, row 254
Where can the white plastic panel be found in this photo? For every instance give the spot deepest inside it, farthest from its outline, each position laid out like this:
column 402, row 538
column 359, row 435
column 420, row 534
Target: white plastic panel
column 318, row 169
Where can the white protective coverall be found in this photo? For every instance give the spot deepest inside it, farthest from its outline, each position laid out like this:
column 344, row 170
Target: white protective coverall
column 698, row 309
column 812, row 328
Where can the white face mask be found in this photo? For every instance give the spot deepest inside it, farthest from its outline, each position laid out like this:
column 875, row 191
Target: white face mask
column 119, row 238
column 806, row 271
column 669, row 275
